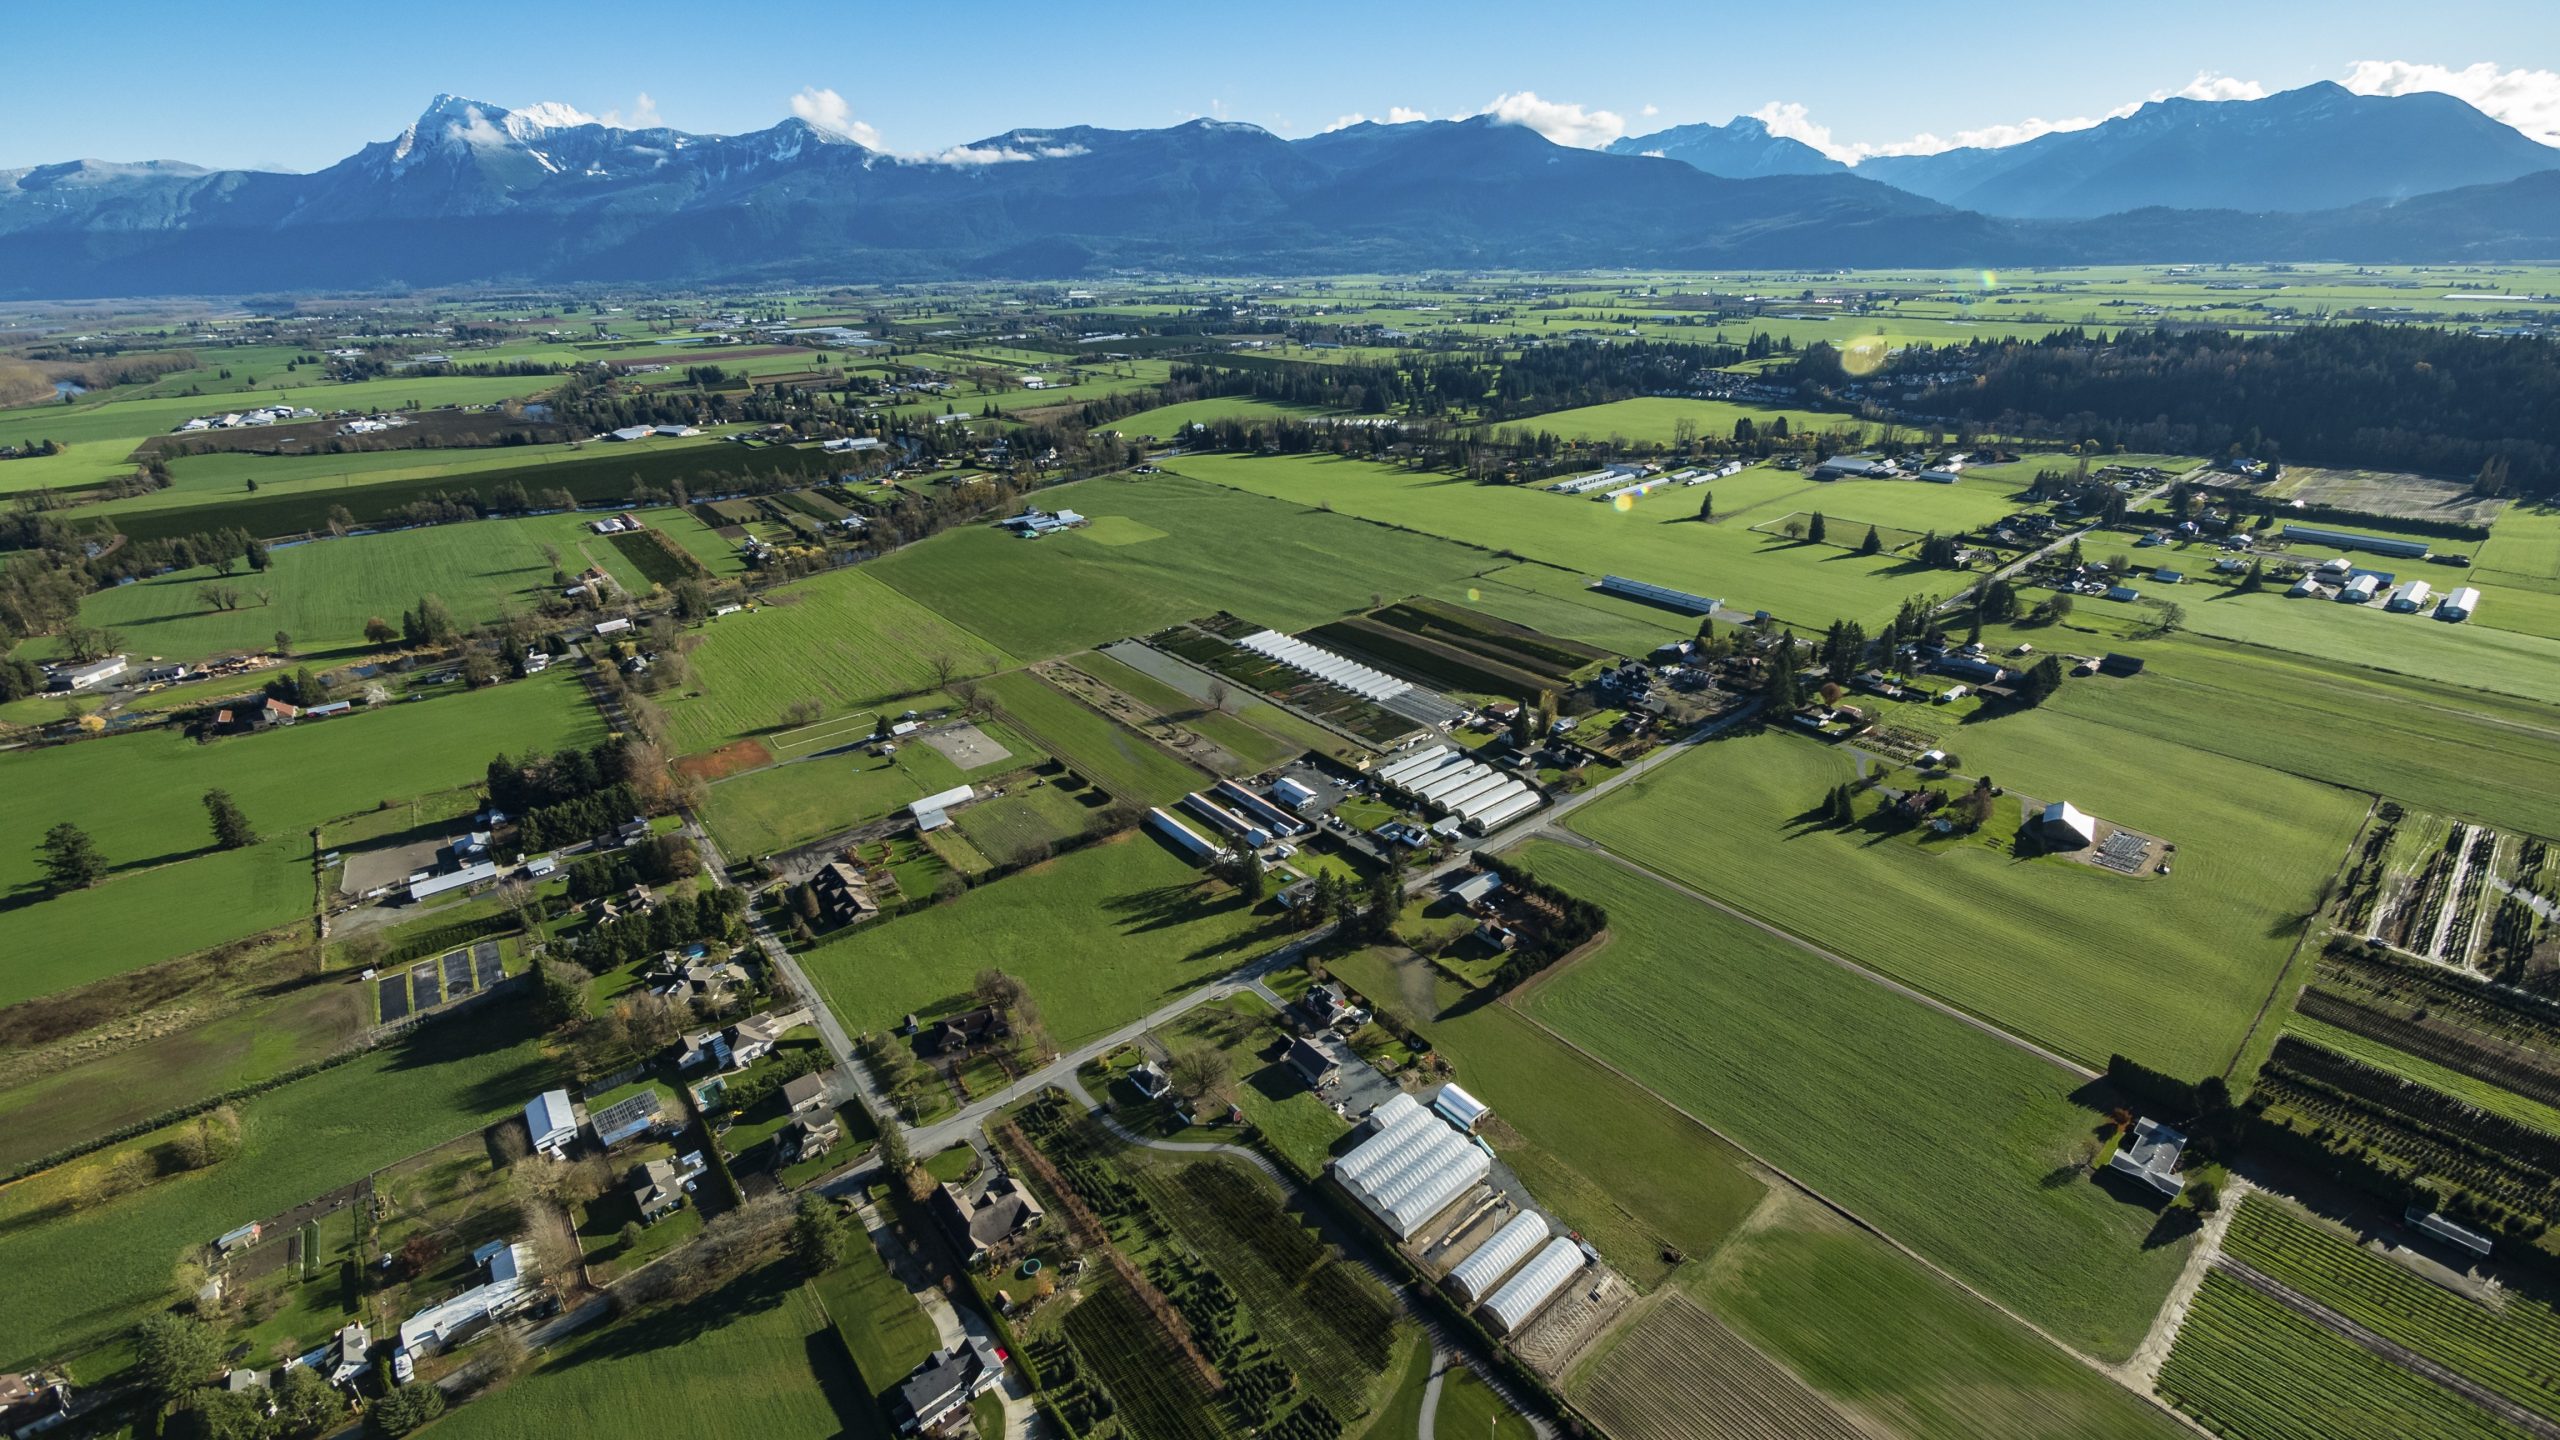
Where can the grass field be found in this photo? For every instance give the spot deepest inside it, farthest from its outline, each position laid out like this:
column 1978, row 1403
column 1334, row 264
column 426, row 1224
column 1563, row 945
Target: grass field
column 843, row 639
column 83, row 1270
column 1793, row 1057
column 1101, row 936
column 1167, row 422
column 1610, row 1159
column 1562, row 603
column 1257, row 748
column 324, row 591
column 2507, row 1347
column 1163, row 549
column 2187, row 958
column 2524, row 546
column 2472, row 656
column 1655, row 418
column 140, row 799
column 750, row 1361
column 884, row 1330
column 1872, row 1330
column 2461, row 752
column 1121, row 761
column 2249, row 1368
column 1658, row 538
column 780, row 806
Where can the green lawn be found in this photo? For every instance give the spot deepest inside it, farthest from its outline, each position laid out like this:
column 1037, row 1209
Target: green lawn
column 1657, row 538
column 2523, row 547
column 843, row 639
column 772, row 809
column 750, row 1361
column 1164, row 549
column 1967, row 1149
column 2470, row 655
column 2170, row 970
column 1021, row 825
column 324, row 591
column 1130, row 766
column 140, row 799
column 1101, row 936
column 1468, row 1408
column 1654, row 419
column 1869, row 1327
column 83, row 1270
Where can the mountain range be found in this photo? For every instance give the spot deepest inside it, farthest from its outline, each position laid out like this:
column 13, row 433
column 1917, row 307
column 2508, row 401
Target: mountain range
column 473, row 193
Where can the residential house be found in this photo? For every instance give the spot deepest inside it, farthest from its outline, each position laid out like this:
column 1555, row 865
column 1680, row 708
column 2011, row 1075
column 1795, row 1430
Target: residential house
column 31, row 1404
column 944, row 1385
column 810, row 1136
column 966, row 1031
column 1000, row 1208
column 658, row 1187
column 842, row 895
column 1150, row 1081
column 552, row 1122
column 705, row 1047
column 2150, row 1154
column 803, row 1093
column 1327, row 1006
column 753, row 1038
column 1315, row 1062
column 351, row 1353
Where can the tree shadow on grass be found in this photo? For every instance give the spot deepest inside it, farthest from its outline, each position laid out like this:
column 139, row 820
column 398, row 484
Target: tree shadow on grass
column 750, row 1294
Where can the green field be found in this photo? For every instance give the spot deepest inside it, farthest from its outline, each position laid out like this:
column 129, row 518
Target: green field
column 2249, row 1368
column 2507, row 1346
column 884, row 1330
column 2523, row 548
column 324, row 591
column 140, row 798
column 780, row 806
column 2170, row 970
column 1162, row 550
column 1870, row 1327
column 81, row 1271
column 2470, row 1090
column 1658, row 538
column 1121, row 761
column 1167, row 422
column 1101, row 935
column 2472, row 656
column 1790, row 1055
column 751, row 1361
column 1613, row 1161
column 1257, row 748
column 843, row 639
column 1654, row 419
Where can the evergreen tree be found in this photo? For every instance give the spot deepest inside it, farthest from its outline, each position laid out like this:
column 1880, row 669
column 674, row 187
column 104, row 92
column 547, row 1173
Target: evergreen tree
column 1873, row 544
column 1707, row 505
column 231, row 829
column 71, row 860
column 1817, row 529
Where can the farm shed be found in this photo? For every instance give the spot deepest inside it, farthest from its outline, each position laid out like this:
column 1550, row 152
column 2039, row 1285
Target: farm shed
column 2409, row 597
column 1504, row 813
column 2370, row 544
column 1291, row 793
column 1476, row 1276
column 1524, row 1294
column 1460, row 1108
column 1477, row 888
column 1404, row 765
column 468, row 875
column 1487, row 801
column 552, row 1121
column 1245, row 802
column 1210, row 810
column 2358, row 590
column 1412, row 1168
column 1663, row 595
column 2459, row 605
column 2433, row 1222
column 2063, row 826
column 1184, row 838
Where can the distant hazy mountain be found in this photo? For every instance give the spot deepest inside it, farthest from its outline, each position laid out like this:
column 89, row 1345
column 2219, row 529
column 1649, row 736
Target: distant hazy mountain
column 473, row 193
column 2316, row 148
column 1740, row 149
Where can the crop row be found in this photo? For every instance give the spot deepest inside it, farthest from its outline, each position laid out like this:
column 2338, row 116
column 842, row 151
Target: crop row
column 1158, row 1396
column 2445, row 997
column 2251, row 1369
column 2480, row 1056
column 1680, row 1372
column 2514, row 1350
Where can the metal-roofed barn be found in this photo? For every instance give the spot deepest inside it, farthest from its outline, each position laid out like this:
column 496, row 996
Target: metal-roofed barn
column 2459, row 605
column 1526, row 1293
column 1478, row 1274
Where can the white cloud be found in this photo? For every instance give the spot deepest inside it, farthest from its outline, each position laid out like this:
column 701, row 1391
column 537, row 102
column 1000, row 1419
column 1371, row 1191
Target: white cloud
column 832, row 113
column 643, row 115
column 2527, row 99
column 997, row 154
column 1650, row 110
column 1791, row 121
column 1396, row 115
column 2212, row 85
column 1564, row 124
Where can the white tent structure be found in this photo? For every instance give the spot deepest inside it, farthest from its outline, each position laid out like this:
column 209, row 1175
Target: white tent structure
column 1478, row 1274
column 1412, row 1168
column 1525, row 1294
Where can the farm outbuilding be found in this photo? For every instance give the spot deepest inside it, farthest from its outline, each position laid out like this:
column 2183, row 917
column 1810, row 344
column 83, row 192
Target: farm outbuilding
column 1184, row 838
column 1663, row 595
column 1413, row 1168
column 1476, row 1276
column 1460, row 1108
column 2409, row 597
column 1525, row 1294
column 1503, row 813
column 2370, row 544
column 552, row 1121
column 2459, row 605
column 2062, row 825
column 2359, row 590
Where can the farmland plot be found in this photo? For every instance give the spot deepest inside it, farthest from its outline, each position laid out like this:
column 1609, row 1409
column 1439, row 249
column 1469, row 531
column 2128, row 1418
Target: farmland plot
column 2184, row 960
column 1679, row 1373
column 2249, row 1368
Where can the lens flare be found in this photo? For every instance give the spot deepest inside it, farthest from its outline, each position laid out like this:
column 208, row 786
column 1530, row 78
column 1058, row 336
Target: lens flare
column 1624, row 502
column 1990, row 279
column 1474, row 595
column 1864, row 357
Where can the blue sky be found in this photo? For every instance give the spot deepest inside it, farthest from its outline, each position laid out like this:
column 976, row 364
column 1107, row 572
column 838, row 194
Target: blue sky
column 286, row 84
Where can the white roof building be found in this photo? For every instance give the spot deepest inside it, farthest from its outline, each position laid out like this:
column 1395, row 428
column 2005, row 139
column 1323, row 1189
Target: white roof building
column 2065, row 826
column 1460, row 1108
column 2150, row 1155
column 552, row 1121
column 1412, row 1169
column 1525, row 1294
column 1476, row 1276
